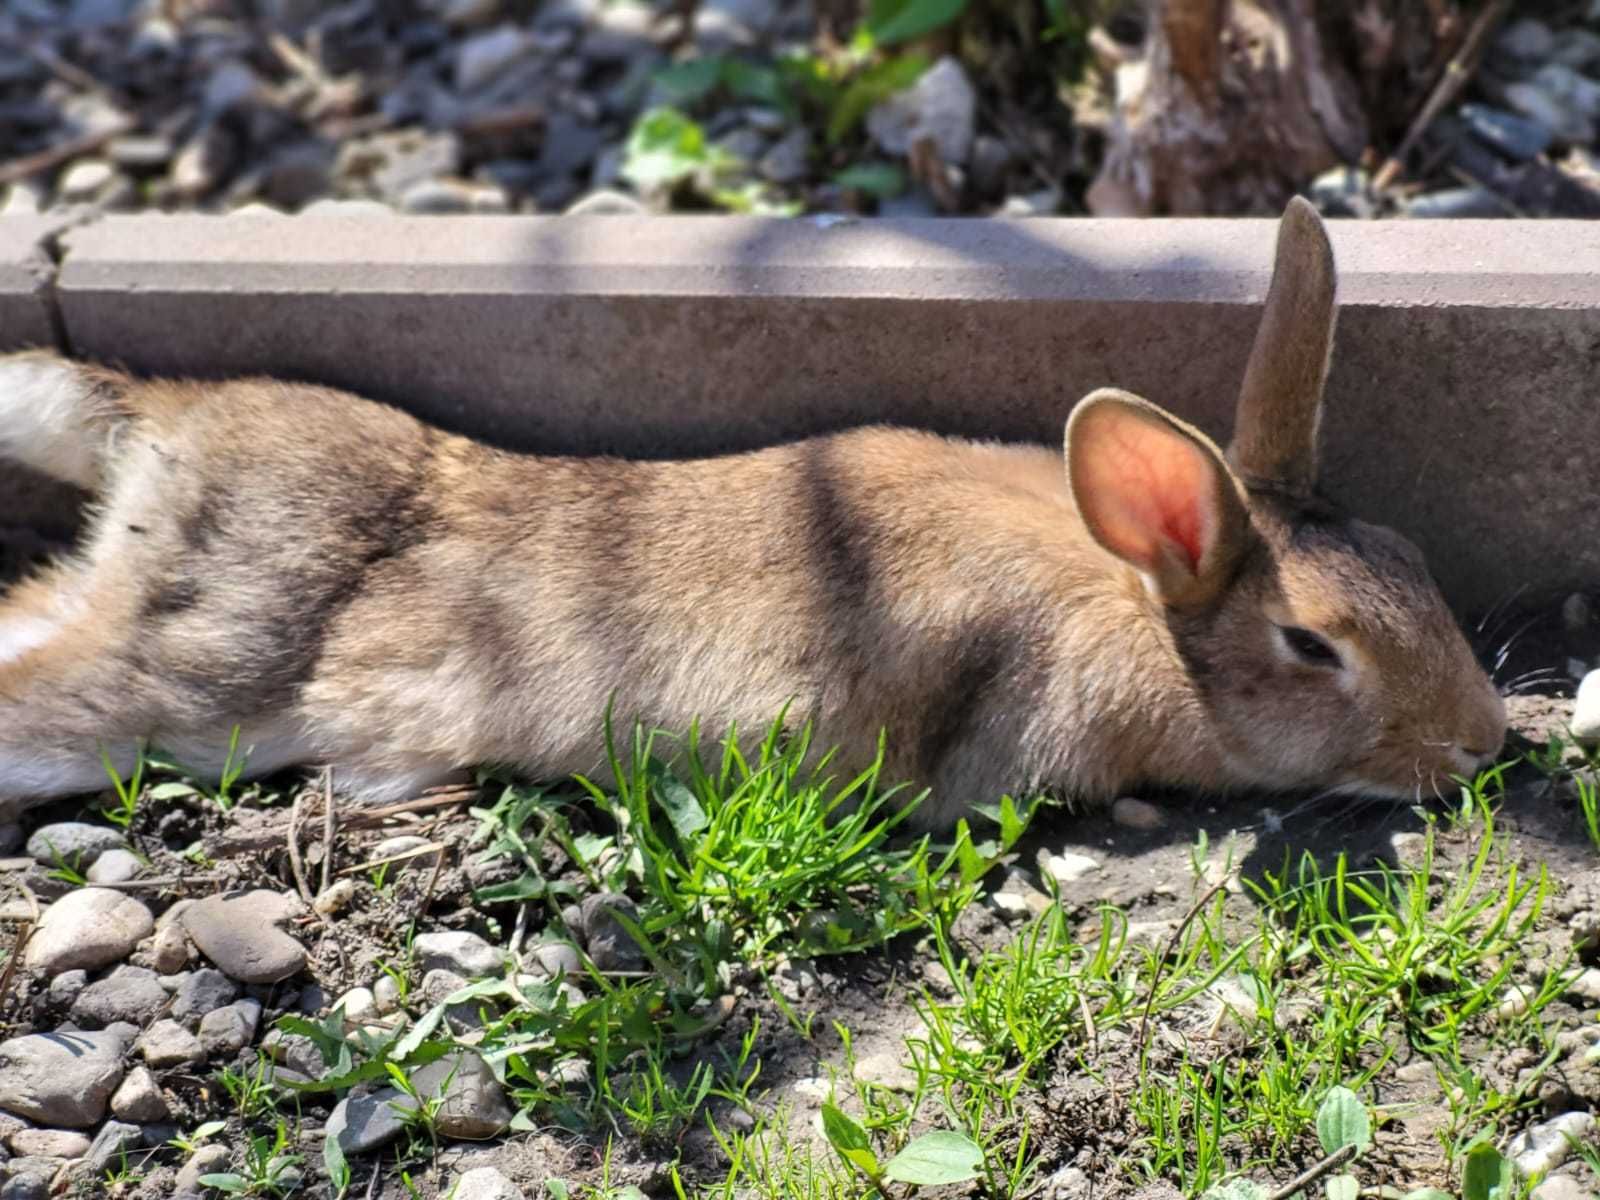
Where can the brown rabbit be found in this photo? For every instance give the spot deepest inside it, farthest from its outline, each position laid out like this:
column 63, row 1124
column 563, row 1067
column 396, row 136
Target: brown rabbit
column 350, row 586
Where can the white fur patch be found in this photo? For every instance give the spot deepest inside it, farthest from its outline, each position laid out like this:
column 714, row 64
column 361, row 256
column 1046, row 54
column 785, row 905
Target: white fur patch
column 43, row 419
column 30, row 775
column 24, row 634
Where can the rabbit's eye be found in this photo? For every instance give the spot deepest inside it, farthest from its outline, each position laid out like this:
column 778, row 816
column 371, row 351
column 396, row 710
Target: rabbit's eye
column 1309, row 646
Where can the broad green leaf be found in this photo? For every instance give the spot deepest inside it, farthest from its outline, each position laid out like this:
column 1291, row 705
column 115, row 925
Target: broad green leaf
column 528, row 887
column 1487, row 1175
column 1342, row 1187
column 891, row 21
column 682, row 809
column 234, row 1185
column 1427, row 1193
column 558, row 1189
column 750, row 82
column 666, row 147
column 1342, row 1121
column 686, row 82
column 207, row 1129
column 883, row 180
column 936, row 1158
column 872, row 85
column 849, row 1138
column 172, row 791
column 333, row 1158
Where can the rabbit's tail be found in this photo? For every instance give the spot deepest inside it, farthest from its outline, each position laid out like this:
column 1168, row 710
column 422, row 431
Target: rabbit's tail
column 59, row 417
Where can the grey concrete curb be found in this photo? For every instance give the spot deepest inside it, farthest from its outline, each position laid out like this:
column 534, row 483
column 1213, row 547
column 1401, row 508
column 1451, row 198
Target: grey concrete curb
column 1460, row 405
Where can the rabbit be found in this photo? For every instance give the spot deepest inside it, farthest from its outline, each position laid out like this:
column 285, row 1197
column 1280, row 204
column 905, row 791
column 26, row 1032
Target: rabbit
column 349, row 586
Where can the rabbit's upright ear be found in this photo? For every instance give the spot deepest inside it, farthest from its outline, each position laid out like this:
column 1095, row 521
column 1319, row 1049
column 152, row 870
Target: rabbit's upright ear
column 1157, row 494
column 1275, row 430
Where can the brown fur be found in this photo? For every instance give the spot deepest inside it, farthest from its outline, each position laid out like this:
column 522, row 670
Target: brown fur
column 351, row 586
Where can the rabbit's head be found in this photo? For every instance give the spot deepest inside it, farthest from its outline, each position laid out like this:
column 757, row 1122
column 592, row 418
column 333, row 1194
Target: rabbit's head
column 1319, row 646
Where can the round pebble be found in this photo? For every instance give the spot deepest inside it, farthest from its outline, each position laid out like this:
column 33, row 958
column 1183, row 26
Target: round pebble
column 73, row 842
column 115, row 866
column 239, row 933
column 49, row 1143
column 132, row 994
column 201, row 992
column 139, row 1098
column 87, row 928
column 1133, row 813
column 1586, row 710
column 169, row 949
column 169, row 1044
column 62, row 1079
column 465, row 953
column 485, row 1183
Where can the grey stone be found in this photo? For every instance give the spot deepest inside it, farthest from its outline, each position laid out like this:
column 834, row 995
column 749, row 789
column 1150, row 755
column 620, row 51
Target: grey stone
column 60, row 1079
column 1518, row 138
column 66, row 987
column 73, row 842
column 169, row 949
column 202, row 162
column 132, row 994
column 211, row 1159
column 1576, row 47
column 87, row 928
column 10, row 837
column 141, row 151
column 240, row 934
column 483, row 56
column 485, row 1183
column 611, row 947
column 358, row 1004
column 111, row 1144
column 84, row 179
column 201, row 992
column 402, row 844
column 1553, row 112
column 48, row 1143
column 465, row 953
column 436, row 197
column 553, row 958
column 29, row 1178
column 231, row 84
column 462, row 12
column 1570, row 87
column 298, row 173
column 169, row 1044
column 437, row 985
column 474, row 1104
column 1455, row 203
column 115, row 866
column 941, row 105
column 139, row 1098
column 365, row 1123
column 1562, row 1187
column 296, row 1052
column 1544, row 1147
column 569, row 145
column 386, row 994
column 1134, row 813
column 1526, row 38
column 607, row 203
column 789, row 159
column 228, row 1030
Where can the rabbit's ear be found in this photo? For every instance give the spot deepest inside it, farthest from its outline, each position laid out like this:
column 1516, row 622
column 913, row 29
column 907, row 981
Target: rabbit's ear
column 1275, row 430
column 1157, row 494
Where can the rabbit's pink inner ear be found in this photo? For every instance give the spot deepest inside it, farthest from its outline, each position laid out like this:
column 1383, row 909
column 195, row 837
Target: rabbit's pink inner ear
column 1147, row 493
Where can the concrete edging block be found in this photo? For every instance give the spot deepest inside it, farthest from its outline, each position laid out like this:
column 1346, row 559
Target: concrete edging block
column 1460, row 407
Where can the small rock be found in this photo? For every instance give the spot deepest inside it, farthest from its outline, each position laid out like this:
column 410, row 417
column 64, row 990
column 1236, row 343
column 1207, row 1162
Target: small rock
column 437, row 985
column 941, row 105
column 1570, row 87
column 1577, row 613
column 1518, row 138
column 465, row 953
column 131, row 994
column 66, row 987
column 1515, row 1001
column 60, row 1079
column 1586, row 710
column 1409, row 849
column 169, row 949
column 1066, row 867
column 386, row 994
column 239, row 933
column 358, row 1004
column 611, row 947
column 299, row 1054
column 10, row 833
column 485, row 1183
column 474, row 1105
column 110, row 1149
column 1544, row 1147
column 83, row 180
column 1009, row 905
column 607, row 203
column 1586, row 985
column 298, row 173
column 1134, row 813
column 886, row 1069
column 73, row 842
column 201, row 164
column 789, row 159
column 1526, row 38
column 49, row 1143
column 436, row 197
column 365, row 1123
column 228, row 1030
column 139, row 1098
column 29, row 1178
column 1533, row 101
column 115, row 866
column 405, row 843
column 210, row 1159
column 459, row 13
column 168, row 1044
column 1561, row 1187
column 1576, row 47
column 553, row 958
column 87, row 928
column 1455, row 203
column 485, row 55
column 140, row 151
column 569, row 145
column 201, row 992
